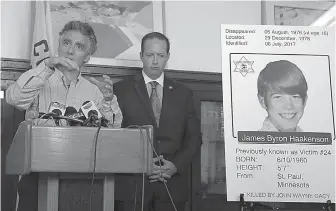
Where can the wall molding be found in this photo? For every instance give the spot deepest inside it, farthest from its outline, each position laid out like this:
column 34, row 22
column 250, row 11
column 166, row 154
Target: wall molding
column 207, row 84
column 13, row 68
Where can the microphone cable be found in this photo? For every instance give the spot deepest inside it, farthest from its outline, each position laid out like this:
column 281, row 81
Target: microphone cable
column 94, row 163
column 143, row 174
column 164, row 181
column 50, row 117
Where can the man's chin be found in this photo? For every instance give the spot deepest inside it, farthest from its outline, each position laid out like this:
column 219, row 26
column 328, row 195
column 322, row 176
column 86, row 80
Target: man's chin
column 154, row 76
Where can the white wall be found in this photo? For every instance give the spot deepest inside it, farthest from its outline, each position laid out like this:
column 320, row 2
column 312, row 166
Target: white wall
column 16, row 29
column 268, row 9
column 193, row 28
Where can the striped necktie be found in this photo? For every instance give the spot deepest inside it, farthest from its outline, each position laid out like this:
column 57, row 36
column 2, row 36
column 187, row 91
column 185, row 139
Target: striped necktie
column 155, row 101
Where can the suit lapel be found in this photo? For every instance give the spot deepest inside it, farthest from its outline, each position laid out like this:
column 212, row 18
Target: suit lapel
column 141, row 90
column 168, row 96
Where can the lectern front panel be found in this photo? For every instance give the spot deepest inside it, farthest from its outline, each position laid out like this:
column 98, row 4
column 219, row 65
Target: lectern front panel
column 72, row 149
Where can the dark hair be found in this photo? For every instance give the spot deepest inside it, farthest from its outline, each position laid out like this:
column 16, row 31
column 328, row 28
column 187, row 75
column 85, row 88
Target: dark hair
column 282, row 76
column 83, row 28
column 155, row 35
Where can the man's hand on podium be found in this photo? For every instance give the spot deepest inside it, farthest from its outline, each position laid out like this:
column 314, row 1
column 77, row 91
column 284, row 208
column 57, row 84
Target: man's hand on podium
column 163, row 172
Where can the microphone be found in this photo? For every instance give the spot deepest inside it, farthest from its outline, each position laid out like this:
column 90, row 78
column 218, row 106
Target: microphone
column 93, row 116
column 92, row 120
column 90, row 106
column 69, row 111
column 57, row 112
column 93, row 113
column 56, row 107
column 72, row 114
column 57, row 117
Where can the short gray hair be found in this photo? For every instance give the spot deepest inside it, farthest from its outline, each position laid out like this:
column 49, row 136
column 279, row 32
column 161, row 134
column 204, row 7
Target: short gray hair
column 83, row 28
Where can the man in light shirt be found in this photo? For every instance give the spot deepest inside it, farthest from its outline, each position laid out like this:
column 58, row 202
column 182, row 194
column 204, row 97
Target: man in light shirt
column 58, row 79
column 152, row 98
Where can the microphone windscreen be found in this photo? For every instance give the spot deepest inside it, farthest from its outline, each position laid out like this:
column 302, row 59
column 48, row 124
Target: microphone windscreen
column 89, row 107
column 92, row 113
column 69, row 111
column 56, row 105
column 86, row 102
column 57, row 112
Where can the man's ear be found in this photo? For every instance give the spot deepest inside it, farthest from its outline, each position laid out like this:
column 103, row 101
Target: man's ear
column 168, row 56
column 262, row 101
column 140, row 55
column 87, row 58
column 305, row 101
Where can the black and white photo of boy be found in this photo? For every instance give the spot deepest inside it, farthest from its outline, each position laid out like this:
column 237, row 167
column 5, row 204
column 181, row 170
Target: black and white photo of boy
column 282, row 92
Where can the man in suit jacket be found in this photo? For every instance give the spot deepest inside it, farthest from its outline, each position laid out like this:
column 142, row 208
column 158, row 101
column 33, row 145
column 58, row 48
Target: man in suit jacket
column 177, row 135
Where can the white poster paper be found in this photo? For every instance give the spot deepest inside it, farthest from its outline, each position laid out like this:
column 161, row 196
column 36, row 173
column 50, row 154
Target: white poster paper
column 279, row 121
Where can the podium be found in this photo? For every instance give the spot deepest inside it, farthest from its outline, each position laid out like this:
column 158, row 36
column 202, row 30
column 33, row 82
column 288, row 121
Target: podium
column 56, row 151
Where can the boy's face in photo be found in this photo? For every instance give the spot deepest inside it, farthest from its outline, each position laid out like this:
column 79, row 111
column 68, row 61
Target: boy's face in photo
column 284, row 110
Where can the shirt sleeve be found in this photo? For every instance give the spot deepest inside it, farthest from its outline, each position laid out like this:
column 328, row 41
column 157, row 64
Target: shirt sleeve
column 22, row 93
column 110, row 110
column 113, row 107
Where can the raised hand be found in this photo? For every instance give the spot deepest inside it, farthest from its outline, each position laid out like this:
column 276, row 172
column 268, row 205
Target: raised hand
column 105, row 87
column 62, row 63
column 68, row 67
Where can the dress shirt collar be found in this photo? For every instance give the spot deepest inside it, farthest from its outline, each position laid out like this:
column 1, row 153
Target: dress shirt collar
column 147, row 79
column 62, row 79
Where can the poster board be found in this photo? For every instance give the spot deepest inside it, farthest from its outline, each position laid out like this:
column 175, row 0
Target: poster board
column 278, row 105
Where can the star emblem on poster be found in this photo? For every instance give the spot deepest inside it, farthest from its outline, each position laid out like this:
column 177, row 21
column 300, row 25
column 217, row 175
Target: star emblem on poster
column 243, row 66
